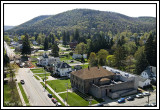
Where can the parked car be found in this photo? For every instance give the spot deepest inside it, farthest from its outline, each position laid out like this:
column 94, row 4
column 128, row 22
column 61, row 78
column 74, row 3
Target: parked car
column 154, row 104
column 54, row 100
column 121, row 100
column 139, row 96
column 71, row 61
column 58, row 104
column 146, row 94
column 50, row 95
column 100, row 105
column 130, row 98
column 22, row 82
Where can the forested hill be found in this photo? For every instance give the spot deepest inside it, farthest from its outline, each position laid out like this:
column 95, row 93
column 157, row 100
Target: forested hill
column 8, row 27
column 87, row 21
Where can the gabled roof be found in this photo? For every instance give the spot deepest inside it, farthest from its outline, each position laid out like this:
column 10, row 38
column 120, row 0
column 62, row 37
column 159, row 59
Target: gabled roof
column 142, row 79
column 92, row 72
column 63, row 65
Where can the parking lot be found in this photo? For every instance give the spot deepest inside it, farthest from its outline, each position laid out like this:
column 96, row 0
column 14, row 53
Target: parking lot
column 135, row 102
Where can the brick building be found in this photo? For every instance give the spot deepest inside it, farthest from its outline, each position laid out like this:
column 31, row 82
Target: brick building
column 101, row 83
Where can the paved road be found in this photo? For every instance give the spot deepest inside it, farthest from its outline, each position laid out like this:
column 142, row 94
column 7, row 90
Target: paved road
column 136, row 102
column 9, row 51
column 34, row 90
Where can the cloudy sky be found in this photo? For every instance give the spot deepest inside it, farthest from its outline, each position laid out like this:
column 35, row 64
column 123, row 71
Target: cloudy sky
column 16, row 14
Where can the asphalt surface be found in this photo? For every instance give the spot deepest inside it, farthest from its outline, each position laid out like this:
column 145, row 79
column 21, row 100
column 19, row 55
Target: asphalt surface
column 136, row 101
column 37, row 95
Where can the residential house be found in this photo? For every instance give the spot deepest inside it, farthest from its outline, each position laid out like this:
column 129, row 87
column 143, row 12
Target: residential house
column 34, row 42
column 149, row 73
column 73, row 45
column 44, row 60
column 102, row 83
column 79, row 56
column 63, row 69
column 143, row 82
column 14, row 44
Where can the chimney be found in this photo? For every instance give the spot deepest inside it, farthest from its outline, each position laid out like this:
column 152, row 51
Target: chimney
column 151, row 69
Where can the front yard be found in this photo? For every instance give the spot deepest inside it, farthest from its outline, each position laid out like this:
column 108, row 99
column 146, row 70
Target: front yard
column 76, row 100
column 38, row 70
column 59, row 85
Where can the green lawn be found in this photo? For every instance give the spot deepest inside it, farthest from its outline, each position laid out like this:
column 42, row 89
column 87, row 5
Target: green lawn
column 8, row 97
column 84, row 66
column 24, row 94
column 76, row 100
column 38, row 70
column 59, row 85
column 43, row 75
column 66, row 58
column 49, row 91
column 34, row 63
column 36, row 77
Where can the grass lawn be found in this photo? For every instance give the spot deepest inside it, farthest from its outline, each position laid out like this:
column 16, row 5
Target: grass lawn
column 59, row 85
column 49, row 91
column 84, row 66
column 24, row 94
column 66, row 58
column 36, row 77
column 34, row 63
column 43, row 75
column 7, row 95
column 76, row 100
column 38, row 70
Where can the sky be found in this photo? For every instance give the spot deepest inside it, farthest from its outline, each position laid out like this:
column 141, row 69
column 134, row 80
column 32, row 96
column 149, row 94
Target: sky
column 16, row 14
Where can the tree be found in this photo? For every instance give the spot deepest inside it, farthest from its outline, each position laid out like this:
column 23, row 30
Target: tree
column 39, row 39
column 76, row 35
column 110, row 60
column 149, row 50
column 102, row 54
column 6, row 38
column 26, row 49
column 55, row 50
column 120, row 56
column 81, row 48
column 141, row 64
column 64, row 38
column 139, row 52
column 46, row 45
column 93, row 59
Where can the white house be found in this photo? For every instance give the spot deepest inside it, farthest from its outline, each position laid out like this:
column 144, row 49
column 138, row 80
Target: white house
column 149, row 72
column 14, row 44
column 63, row 69
column 44, row 60
column 75, row 56
column 34, row 43
column 143, row 82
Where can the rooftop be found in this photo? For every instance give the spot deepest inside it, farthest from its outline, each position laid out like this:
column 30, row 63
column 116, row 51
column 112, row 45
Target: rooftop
column 92, row 72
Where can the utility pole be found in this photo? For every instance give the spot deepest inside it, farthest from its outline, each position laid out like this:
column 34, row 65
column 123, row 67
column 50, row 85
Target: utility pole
column 67, row 94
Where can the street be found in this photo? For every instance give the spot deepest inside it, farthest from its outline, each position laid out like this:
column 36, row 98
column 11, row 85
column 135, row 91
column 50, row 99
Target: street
column 9, row 51
column 34, row 90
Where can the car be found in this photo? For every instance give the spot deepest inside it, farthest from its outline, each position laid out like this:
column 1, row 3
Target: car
column 146, row 94
column 147, row 105
column 50, row 95
column 71, row 61
column 130, row 98
column 154, row 104
column 121, row 100
column 54, row 100
column 100, row 105
column 139, row 96
column 22, row 82
column 58, row 104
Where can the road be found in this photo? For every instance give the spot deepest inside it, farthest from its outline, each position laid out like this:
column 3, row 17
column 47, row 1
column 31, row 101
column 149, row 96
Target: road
column 33, row 89
column 9, row 51
column 136, row 102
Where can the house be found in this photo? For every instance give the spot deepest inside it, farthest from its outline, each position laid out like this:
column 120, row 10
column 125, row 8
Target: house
column 149, row 73
column 14, row 44
column 78, row 56
column 101, row 83
column 73, row 45
column 34, row 42
column 44, row 60
column 143, row 82
column 63, row 69
column 18, row 48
